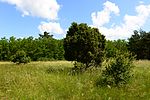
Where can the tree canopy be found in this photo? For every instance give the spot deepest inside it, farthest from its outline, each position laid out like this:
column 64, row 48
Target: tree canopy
column 112, row 47
column 43, row 48
column 139, row 44
column 84, row 44
column 46, row 35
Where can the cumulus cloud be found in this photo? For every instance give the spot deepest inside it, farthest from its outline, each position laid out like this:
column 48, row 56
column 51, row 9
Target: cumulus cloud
column 46, row 9
column 130, row 23
column 103, row 17
column 52, row 27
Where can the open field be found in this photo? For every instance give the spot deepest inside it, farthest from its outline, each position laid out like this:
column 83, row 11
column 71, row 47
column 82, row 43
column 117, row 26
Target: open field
column 53, row 81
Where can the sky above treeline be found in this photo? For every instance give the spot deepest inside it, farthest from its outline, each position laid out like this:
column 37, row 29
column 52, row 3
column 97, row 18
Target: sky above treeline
column 116, row 19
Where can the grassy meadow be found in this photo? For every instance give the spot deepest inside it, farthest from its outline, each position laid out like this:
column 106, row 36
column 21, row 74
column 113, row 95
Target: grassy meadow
column 54, row 81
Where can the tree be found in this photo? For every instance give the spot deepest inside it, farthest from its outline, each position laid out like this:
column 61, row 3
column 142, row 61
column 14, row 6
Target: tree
column 46, row 35
column 84, row 44
column 139, row 44
column 133, row 44
column 13, row 47
column 4, row 49
column 112, row 47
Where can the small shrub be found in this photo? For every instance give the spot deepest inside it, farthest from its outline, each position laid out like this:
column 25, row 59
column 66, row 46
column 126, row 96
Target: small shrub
column 118, row 70
column 20, row 57
column 78, row 67
column 25, row 60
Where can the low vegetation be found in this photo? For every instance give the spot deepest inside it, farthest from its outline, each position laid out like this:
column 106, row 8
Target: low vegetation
column 52, row 80
column 117, row 71
column 20, row 57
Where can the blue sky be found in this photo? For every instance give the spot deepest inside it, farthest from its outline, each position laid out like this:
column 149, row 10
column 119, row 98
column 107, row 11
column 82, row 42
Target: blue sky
column 116, row 19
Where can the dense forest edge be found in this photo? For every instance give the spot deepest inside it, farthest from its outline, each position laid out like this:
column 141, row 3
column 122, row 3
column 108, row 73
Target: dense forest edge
column 47, row 48
column 44, row 48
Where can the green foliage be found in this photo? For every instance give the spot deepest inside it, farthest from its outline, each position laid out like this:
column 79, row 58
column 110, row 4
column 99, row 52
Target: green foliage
column 113, row 46
column 84, row 44
column 20, row 57
column 139, row 44
column 46, row 35
column 43, row 48
column 118, row 70
column 78, row 68
column 4, row 49
column 25, row 60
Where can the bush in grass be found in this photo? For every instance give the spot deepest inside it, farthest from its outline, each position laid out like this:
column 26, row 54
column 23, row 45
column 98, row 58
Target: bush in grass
column 84, row 44
column 118, row 70
column 78, row 68
column 20, row 57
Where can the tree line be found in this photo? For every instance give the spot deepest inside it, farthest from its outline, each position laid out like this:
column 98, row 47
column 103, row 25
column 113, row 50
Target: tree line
column 139, row 44
column 45, row 47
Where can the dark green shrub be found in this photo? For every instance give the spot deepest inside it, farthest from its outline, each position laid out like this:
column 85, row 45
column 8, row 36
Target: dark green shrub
column 84, row 44
column 118, row 70
column 78, row 67
column 20, row 57
column 25, row 60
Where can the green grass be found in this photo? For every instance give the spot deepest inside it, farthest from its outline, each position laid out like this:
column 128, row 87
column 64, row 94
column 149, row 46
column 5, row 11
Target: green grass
column 53, row 81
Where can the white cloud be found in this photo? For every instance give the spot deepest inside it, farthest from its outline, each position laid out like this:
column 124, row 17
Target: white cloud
column 46, row 9
column 141, row 2
column 130, row 23
column 103, row 17
column 51, row 27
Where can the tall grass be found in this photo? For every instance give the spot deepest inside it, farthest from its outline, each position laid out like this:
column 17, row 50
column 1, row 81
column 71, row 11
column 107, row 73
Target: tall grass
column 53, row 80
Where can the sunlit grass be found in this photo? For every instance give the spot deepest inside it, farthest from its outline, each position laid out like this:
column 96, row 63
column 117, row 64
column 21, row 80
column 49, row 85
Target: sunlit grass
column 51, row 81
